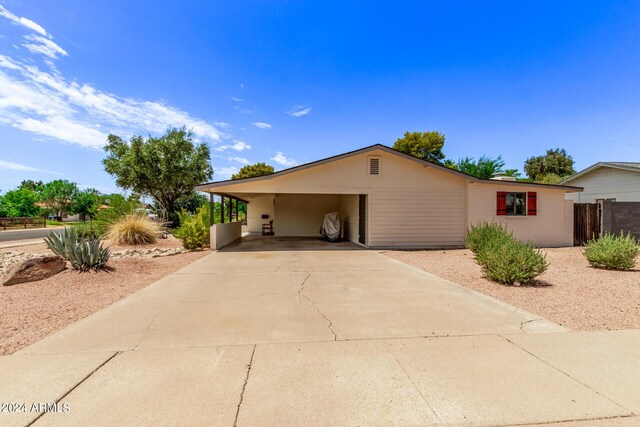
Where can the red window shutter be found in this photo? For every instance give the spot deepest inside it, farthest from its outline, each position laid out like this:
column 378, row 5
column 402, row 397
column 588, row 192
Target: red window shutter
column 532, row 203
column 501, row 203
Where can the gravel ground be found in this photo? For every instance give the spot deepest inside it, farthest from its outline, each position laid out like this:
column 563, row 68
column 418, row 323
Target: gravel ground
column 32, row 311
column 570, row 293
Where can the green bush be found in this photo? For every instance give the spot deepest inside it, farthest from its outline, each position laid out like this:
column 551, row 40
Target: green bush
column 84, row 254
column 485, row 234
column 503, row 258
column 612, row 252
column 90, row 230
column 511, row 261
column 194, row 228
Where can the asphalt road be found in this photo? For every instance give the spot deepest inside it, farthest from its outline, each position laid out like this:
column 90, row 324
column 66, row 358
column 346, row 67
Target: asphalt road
column 34, row 233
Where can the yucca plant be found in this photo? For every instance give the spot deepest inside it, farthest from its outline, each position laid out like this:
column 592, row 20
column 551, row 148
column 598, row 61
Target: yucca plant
column 83, row 254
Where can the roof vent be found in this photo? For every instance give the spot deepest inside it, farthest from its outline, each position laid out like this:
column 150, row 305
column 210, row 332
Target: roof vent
column 374, row 165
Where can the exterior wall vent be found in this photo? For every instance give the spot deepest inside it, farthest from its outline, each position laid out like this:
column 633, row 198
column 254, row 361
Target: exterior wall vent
column 374, row 165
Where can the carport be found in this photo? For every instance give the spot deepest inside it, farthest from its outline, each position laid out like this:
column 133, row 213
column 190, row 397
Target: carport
column 293, row 215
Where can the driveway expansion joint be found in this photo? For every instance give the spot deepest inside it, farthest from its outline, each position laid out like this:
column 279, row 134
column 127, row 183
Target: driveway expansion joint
column 246, row 380
column 629, row 413
column 86, row 377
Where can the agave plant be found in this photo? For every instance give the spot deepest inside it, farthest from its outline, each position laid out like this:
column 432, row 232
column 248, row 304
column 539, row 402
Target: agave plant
column 84, row 254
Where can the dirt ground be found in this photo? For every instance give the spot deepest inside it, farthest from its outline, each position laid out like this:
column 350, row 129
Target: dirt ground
column 570, row 293
column 32, row 311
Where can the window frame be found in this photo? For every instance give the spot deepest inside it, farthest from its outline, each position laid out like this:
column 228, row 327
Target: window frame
column 525, row 199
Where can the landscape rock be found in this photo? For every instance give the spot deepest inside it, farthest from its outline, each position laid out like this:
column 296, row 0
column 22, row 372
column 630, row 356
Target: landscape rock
column 148, row 253
column 32, row 269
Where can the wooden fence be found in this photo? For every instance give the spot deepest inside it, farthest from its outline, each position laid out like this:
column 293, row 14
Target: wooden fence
column 586, row 222
column 23, row 222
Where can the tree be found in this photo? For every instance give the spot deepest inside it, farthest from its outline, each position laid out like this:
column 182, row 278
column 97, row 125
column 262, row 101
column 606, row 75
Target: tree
column 32, row 185
column 555, row 161
column 484, row 167
column 550, row 178
column 86, row 204
column 257, row 169
column 512, row 172
column 58, row 196
column 450, row 164
column 425, row 145
column 166, row 168
column 20, row 202
column 191, row 202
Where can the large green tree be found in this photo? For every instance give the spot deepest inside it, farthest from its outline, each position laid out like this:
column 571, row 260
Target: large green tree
column 86, row 204
column 425, row 145
column 484, row 167
column 32, row 185
column 20, row 202
column 555, row 161
column 58, row 196
column 166, row 168
column 257, row 169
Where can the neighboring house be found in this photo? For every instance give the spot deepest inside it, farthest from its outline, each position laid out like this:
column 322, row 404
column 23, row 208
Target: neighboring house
column 388, row 199
column 613, row 181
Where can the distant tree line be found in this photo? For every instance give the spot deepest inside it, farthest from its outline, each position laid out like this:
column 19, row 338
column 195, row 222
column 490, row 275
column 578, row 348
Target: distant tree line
column 549, row 168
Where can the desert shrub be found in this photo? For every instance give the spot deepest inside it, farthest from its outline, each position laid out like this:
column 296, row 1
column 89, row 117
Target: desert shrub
column 510, row 261
column 84, row 254
column 484, row 234
column 134, row 229
column 612, row 252
column 90, row 230
column 503, row 258
column 194, row 228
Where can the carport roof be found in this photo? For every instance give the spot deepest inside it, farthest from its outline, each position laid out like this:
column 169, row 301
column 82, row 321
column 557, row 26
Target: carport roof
column 210, row 186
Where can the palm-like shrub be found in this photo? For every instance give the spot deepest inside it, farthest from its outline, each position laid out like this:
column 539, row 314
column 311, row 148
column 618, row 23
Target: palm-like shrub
column 134, row 229
column 194, row 229
column 612, row 252
column 83, row 254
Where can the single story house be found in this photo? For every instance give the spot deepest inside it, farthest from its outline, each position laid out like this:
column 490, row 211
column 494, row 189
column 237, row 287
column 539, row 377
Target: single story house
column 388, row 199
column 611, row 181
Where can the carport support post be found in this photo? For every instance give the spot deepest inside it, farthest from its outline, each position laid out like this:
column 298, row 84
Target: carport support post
column 211, row 221
column 230, row 207
column 221, row 209
column 236, row 207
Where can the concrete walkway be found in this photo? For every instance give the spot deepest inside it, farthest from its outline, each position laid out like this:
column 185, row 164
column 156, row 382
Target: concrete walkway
column 321, row 336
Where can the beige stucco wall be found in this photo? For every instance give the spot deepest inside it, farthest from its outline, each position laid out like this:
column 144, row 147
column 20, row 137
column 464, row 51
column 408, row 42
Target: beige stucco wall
column 552, row 226
column 223, row 234
column 607, row 183
column 258, row 206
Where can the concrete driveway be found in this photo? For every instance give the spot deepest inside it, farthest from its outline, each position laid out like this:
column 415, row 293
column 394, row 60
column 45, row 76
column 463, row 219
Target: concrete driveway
column 296, row 333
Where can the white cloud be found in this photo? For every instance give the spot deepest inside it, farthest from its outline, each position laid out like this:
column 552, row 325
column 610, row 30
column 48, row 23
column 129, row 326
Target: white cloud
column 20, row 167
column 43, row 46
column 299, row 111
column 45, row 103
column 27, row 23
column 281, row 159
column 233, row 98
column 237, row 145
column 240, row 160
column 262, row 125
column 225, row 173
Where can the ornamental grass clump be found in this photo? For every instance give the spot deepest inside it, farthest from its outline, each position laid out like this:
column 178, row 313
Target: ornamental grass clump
column 612, row 252
column 134, row 229
column 503, row 258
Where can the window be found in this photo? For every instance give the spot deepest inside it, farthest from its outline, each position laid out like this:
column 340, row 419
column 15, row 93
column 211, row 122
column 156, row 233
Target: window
column 516, row 203
column 374, row 165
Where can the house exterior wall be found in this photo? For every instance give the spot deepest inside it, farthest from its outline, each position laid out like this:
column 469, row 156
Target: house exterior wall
column 551, row 227
column 409, row 204
column 302, row 214
column 607, row 183
column 256, row 208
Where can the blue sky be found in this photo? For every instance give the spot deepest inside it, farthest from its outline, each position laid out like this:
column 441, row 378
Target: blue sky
column 287, row 82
